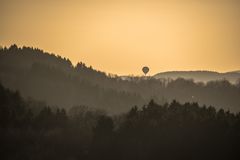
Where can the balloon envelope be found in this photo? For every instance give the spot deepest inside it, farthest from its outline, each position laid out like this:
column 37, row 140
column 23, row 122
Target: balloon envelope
column 145, row 70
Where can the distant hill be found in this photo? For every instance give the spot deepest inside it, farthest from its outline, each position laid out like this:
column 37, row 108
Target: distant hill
column 200, row 76
column 53, row 79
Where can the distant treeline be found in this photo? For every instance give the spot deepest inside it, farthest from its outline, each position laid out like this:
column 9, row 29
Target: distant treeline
column 30, row 130
column 54, row 80
column 201, row 76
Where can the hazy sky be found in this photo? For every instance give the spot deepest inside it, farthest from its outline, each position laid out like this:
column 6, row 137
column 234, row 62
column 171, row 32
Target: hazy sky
column 122, row 36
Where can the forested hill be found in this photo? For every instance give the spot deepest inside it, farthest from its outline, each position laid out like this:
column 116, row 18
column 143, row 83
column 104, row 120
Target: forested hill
column 53, row 79
column 201, row 76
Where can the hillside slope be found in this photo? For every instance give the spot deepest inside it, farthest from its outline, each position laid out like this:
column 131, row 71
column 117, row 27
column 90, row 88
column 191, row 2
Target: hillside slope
column 54, row 80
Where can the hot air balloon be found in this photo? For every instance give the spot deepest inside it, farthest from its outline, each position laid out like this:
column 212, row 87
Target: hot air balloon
column 145, row 70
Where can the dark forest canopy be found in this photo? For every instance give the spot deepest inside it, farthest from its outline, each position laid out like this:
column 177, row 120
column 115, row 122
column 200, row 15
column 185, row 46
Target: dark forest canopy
column 54, row 80
column 169, row 131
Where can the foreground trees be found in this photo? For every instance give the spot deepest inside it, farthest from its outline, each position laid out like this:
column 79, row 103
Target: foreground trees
column 169, row 131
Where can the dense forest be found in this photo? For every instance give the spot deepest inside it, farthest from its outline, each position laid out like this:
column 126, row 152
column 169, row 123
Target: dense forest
column 56, row 81
column 33, row 130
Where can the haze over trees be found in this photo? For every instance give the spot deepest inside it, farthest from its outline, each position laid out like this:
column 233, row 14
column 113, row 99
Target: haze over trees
column 50, row 109
column 169, row 131
column 54, row 80
column 201, row 76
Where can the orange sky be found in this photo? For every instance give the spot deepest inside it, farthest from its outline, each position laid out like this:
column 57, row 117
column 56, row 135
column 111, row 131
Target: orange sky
column 122, row 36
